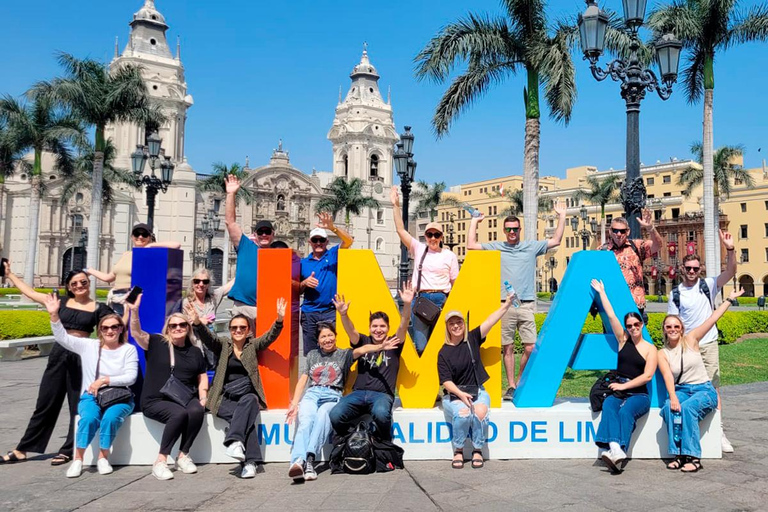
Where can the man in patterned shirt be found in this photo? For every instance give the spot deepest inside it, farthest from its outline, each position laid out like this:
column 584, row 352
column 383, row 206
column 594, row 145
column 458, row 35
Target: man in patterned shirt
column 632, row 253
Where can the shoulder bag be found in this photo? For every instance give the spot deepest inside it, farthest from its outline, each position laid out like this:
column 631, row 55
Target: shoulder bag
column 472, row 389
column 427, row 311
column 108, row 396
column 174, row 389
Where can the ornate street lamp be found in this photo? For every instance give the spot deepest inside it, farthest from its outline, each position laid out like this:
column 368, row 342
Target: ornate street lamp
column 406, row 169
column 449, row 240
column 154, row 153
column 210, row 223
column 635, row 80
column 589, row 226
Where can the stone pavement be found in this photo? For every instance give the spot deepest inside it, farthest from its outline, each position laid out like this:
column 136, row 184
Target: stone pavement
column 738, row 482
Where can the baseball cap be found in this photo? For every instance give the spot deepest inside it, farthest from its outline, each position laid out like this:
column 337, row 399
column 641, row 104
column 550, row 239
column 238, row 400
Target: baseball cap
column 143, row 226
column 454, row 314
column 435, row 226
column 263, row 224
column 318, row 232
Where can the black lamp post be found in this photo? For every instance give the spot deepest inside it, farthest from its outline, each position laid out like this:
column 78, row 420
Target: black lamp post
column 549, row 266
column 406, row 169
column 584, row 233
column 152, row 152
column 635, row 80
column 211, row 223
column 449, row 240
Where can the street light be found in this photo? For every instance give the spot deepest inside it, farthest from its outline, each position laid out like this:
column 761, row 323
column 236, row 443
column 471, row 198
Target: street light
column 449, row 240
column 406, row 169
column 211, row 223
column 589, row 226
column 549, row 266
column 635, row 80
column 152, row 152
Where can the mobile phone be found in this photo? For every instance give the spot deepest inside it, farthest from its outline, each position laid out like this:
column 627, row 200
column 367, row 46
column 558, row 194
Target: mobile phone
column 133, row 294
column 3, row 261
column 56, row 293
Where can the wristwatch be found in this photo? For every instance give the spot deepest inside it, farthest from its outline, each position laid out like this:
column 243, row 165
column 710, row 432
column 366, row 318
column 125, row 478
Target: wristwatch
column 732, row 301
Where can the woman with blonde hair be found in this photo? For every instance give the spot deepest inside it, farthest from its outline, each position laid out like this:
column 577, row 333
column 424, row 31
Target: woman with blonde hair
column 199, row 295
column 691, row 394
column 111, row 362
column 175, row 373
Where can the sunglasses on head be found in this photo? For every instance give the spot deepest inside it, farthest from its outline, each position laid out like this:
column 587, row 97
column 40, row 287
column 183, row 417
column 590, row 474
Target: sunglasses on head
column 180, row 325
column 619, row 231
column 264, row 232
column 198, row 281
column 140, row 233
column 634, row 325
column 318, row 240
column 511, row 230
column 691, row 269
column 238, row 328
column 113, row 327
column 433, row 234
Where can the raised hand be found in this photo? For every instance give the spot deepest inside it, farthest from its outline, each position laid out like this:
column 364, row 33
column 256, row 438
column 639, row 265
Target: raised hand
column 598, row 286
column 326, row 221
column 394, row 196
column 232, row 184
column 134, row 308
column 281, row 304
column 646, row 219
column 191, row 312
column 727, row 240
column 7, row 268
column 560, row 208
column 735, row 294
column 479, row 218
column 52, row 304
column 391, row 343
column 340, row 304
column 311, row 281
column 407, row 293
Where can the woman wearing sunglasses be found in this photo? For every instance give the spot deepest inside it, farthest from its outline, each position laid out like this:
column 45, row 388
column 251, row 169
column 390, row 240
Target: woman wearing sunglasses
column 691, row 394
column 110, row 361
column 79, row 315
column 630, row 399
column 120, row 276
column 435, row 270
column 236, row 394
column 199, row 295
column 173, row 355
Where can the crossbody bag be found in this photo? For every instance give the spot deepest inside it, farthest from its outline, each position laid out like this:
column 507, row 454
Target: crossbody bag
column 427, row 311
column 108, row 396
column 174, row 389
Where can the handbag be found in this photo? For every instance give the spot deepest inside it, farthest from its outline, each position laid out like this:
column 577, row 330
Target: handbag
column 108, row 396
column 174, row 389
column 472, row 389
column 427, row 311
column 354, row 455
column 238, row 388
column 601, row 390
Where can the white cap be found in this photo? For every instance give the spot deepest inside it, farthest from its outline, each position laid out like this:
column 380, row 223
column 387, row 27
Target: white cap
column 318, row 232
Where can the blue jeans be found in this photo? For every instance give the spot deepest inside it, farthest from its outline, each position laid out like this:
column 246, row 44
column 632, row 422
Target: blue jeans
column 696, row 401
column 314, row 424
column 469, row 425
column 358, row 403
column 619, row 418
column 93, row 419
column 419, row 330
column 309, row 321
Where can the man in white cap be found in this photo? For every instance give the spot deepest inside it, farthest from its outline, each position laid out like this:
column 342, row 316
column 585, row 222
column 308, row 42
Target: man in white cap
column 318, row 278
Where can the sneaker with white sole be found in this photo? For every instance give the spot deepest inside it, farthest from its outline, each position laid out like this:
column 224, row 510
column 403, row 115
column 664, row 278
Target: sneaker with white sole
column 161, row 472
column 309, row 471
column 613, row 458
column 104, row 466
column 75, row 469
column 249, row 470
column 725, row 444
column 236, row 450
column 296, row 471
column 186, row 464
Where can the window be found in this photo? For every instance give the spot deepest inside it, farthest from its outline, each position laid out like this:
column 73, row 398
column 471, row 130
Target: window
column 651, row 196
column 691, row 236
column 494, row 235
column 743, row 231
column 77, row 221
column 766, row 205
column 216, row 205
column 567, row 202
column 346, row 166
column 766, row 229
column 379, row 216
column 667, row 179
column 567, row 260
column 743, row 207
column 667, row 194
column 609, row 218
column 745, row 255
column 649, row 181
column 766, row 254
column 551, row 223
column 656, row 215
column 675, row 213
column 374, row 166
column 79, row 198
column 567, row 243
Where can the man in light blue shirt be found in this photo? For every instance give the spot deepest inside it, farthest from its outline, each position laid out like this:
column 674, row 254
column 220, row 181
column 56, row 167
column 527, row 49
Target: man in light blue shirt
column 518, row 266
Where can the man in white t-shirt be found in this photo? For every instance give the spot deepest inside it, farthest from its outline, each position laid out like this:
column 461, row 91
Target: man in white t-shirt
column 693, row 301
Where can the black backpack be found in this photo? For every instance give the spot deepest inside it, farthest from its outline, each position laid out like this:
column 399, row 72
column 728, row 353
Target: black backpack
column 600, row 390
column 355, row 454
column 703, row 288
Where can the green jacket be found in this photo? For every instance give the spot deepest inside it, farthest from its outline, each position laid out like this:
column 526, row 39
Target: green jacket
column 222, row 347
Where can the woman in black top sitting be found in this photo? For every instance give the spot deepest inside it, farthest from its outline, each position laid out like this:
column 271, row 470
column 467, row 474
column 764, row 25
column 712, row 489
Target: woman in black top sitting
column 172, row 401
column 462, row 374
column 79, row 314
column 636, row 366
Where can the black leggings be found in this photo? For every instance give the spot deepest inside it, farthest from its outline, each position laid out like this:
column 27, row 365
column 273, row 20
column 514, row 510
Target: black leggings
column 184, row 422
column 62, row 377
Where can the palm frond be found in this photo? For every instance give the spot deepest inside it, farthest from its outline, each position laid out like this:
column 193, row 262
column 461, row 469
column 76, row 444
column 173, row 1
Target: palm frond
column 558, row 74
column 750, row 26
column 215, row 182
column 693, row 76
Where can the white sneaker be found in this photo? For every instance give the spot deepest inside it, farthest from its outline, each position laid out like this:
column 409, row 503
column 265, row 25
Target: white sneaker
column 75, row 469
column 249, row 470
column 726, row 445
column 236, row 450
column 296, row 471
column 618, row 456
column 161, row 472
column 170, row 462
column 104, row 467
column 612, row 458
column 309, row 472
column 186, row 465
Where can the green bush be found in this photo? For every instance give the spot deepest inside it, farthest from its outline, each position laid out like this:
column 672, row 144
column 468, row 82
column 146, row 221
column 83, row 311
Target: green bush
column 655, row 298
column 24, row 324
column 100, row 294
column 543, row 295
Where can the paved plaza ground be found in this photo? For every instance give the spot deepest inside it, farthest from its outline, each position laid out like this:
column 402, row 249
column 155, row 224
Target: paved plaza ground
column 737, row 482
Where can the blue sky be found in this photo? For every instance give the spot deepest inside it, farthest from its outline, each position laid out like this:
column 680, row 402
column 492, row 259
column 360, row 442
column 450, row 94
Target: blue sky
column 260, row 71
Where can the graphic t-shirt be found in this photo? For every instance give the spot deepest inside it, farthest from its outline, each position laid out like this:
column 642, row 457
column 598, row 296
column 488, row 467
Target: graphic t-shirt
column 324, row 369
column 377, row 371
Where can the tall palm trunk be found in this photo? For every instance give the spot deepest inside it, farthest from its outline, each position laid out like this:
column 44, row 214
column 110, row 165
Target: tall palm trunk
column 602, row 225
column 35, row 198
column 94, row 223
column 531, row 156
column 711, row 216
column 2, row 214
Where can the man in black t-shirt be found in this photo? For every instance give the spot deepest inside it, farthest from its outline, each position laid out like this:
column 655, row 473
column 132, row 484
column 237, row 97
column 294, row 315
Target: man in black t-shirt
column 374, row 388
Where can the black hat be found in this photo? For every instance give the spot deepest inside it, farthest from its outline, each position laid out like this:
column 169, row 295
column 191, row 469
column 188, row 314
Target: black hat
column 263, row 224
column 143, row 226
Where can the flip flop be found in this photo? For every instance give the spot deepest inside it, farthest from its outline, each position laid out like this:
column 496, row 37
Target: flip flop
column 60, row 460
column 12, row 458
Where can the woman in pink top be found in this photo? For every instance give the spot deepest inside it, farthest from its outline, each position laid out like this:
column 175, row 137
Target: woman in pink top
column 439, row 268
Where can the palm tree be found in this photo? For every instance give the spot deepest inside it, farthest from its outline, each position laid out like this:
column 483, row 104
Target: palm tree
column 215, row 181
column 601, row 191
column 99, row 96
column 707, row 28
column 39, row 126
column 517, row 203
column 493, row 49
column 429, row 197
column 346, row 195
column 82, row 178
column 725, row 172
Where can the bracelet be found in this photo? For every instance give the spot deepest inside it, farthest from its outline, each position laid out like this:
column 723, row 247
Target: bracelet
column 731, row 250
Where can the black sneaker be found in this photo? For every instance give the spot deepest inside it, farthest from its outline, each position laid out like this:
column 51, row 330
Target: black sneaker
column 509, row 395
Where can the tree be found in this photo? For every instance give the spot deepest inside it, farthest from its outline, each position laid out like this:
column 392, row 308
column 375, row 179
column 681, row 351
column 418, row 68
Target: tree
column 346, row 195
column 429, row 197
column 601, row 191
column 38, row 127
column 98, row 97
column 708, row 28
column 494, row 49
column 82, row 178
column 215, row 181
column 517, row 203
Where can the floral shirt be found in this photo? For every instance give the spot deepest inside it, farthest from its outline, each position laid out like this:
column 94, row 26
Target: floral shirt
column 632, row 266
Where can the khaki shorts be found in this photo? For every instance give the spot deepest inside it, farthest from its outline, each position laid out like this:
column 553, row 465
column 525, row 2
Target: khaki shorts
column 240, row 308
column 710, row 353
column 521, row 320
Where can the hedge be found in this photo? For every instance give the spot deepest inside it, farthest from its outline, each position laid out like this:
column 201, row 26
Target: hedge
column 24, row 324
column 100, row 294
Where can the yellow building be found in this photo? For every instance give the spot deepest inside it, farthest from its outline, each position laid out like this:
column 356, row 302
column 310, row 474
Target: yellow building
column 679, row 219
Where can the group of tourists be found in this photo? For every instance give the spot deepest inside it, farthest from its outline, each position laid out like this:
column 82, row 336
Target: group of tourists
column 95, row 375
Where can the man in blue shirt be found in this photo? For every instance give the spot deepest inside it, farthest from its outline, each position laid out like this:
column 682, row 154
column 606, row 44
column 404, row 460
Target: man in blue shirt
column 318, row 279
column 518, row 266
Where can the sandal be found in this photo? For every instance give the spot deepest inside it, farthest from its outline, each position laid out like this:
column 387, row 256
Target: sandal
column 477, row 463
column 696, row 463
column 60, row 460
column 11, row 458
column 677, row 462
column 458, row 463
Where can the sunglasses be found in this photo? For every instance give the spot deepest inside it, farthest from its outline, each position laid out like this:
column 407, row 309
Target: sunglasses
column 264, row 232
column 140, row 233
column 511, row 230
column 238, row 328
column 617, row 231
column 691, row 269
column 198, row 281
column 318, row 240
column 634, row 325
column 180, row 325
column 82, row 283
column 433, row 234
column 173, row 281
column 672, row 327
column 113, row 327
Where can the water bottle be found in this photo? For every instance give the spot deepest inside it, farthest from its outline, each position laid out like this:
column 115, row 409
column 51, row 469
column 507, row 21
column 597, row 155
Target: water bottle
column 511, row 291
column 677, row 428
column 472, row 211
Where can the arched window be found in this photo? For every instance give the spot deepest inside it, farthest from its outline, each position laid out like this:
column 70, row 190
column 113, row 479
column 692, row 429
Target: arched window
column 345, row 159
column 379, row 245
column 77, row 221
column 374, row 166
column 281, row 203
